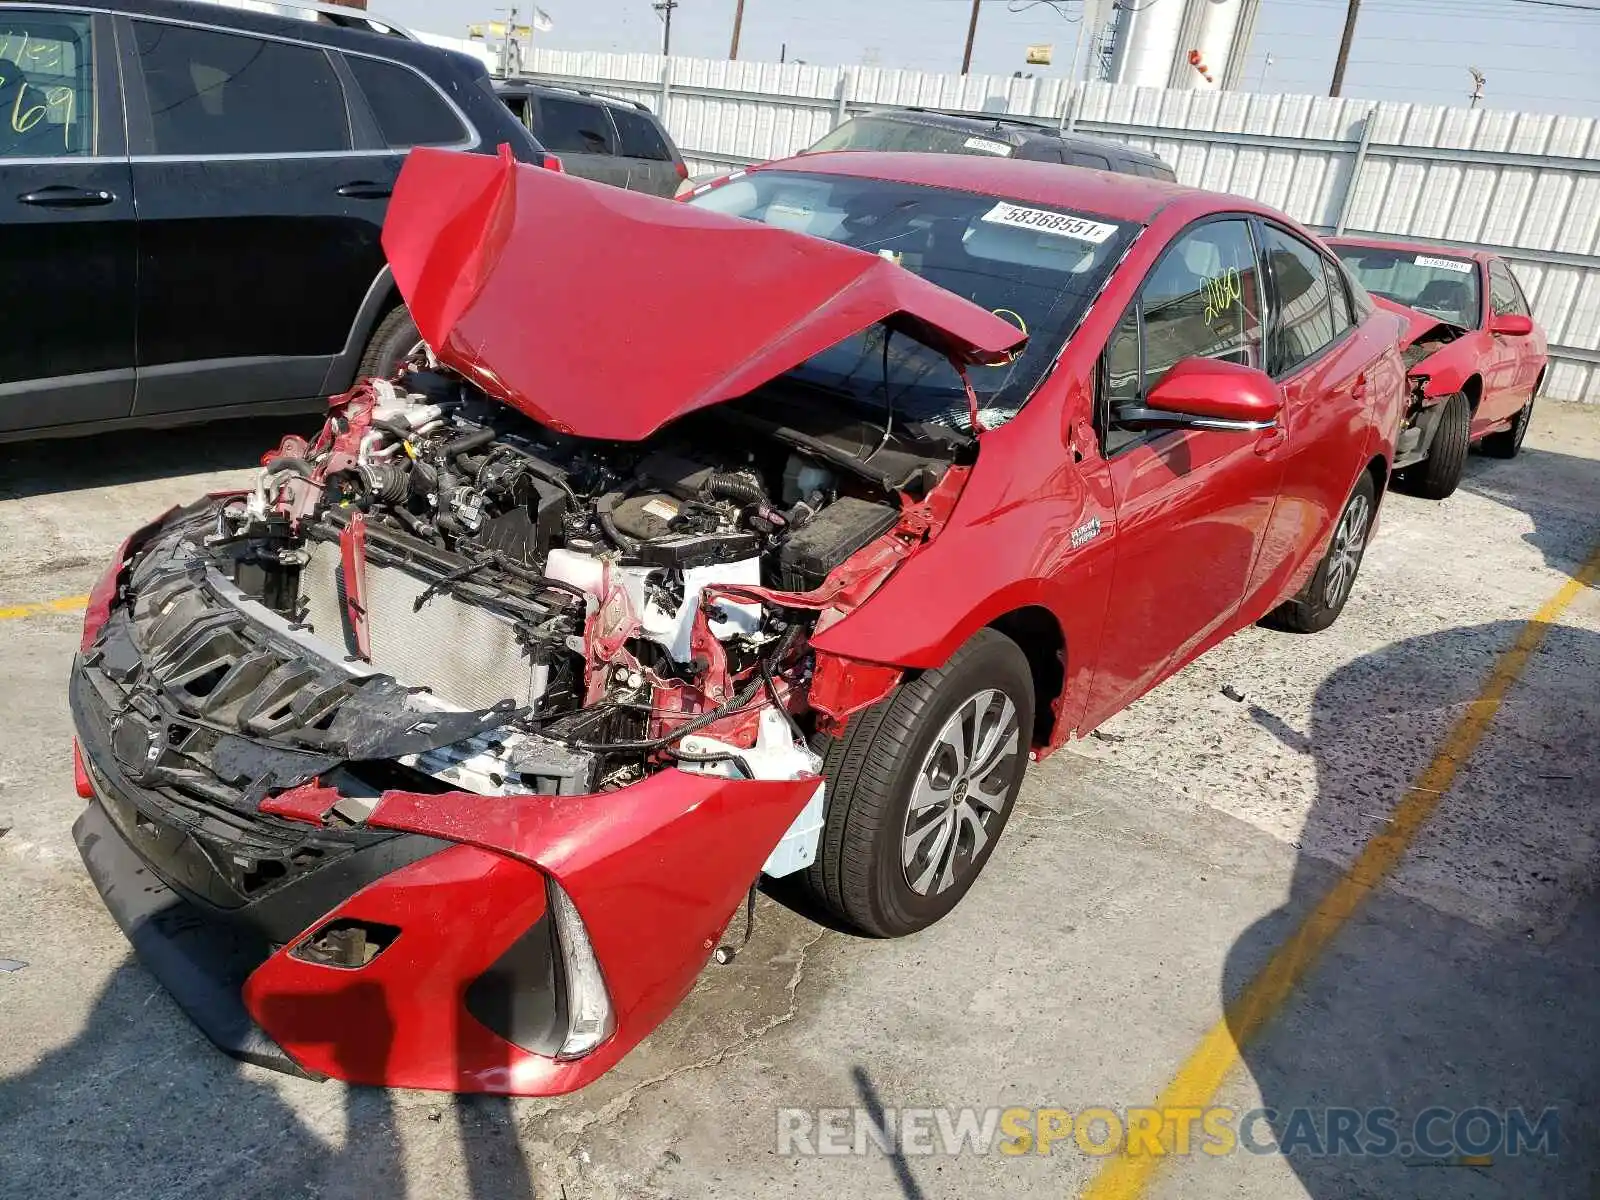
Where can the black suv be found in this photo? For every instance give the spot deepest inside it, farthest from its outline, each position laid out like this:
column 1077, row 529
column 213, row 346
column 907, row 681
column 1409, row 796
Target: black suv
column 190, row 203
column 946, row 131
column 603, row 138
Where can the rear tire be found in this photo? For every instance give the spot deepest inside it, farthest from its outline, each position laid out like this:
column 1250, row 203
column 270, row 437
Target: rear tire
column 1323, row 598
column 393, row 343
column 1508, row 442
column 920, row 787
column 1438, row 475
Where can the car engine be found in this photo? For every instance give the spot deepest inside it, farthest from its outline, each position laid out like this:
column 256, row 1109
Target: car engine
column 504, row 609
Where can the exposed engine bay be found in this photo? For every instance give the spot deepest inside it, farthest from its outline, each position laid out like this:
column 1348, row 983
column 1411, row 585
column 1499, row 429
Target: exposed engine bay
column 440, row 593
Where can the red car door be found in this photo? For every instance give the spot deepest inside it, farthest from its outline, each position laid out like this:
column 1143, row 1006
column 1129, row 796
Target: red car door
column 1322, row 358
column 1191, row 505
column 1516, row 357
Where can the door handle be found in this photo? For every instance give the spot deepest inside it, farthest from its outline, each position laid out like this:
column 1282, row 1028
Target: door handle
column 60, row 195
column 366, row 189
column 1270, row 440
column 1360, row 389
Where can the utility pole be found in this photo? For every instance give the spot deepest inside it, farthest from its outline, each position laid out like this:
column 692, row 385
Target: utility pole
column 505, row 42
column 665, row 7
column 738, row 20
column 972, row 33
column 1344, row 47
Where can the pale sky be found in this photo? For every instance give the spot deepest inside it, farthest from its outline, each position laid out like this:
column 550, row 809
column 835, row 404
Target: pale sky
column 1537, row 56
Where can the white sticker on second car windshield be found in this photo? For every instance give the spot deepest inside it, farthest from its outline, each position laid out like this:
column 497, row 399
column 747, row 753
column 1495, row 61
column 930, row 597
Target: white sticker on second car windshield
column 1444, row 264
column 1042, row 220
column 987, row 146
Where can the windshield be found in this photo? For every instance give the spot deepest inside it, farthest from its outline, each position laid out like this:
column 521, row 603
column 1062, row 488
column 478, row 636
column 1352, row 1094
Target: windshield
column 884, row 133
column 1442, row 287
column 1037, row 267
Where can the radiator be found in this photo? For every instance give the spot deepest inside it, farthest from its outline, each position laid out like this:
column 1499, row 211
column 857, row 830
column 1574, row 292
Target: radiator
column 468, row 656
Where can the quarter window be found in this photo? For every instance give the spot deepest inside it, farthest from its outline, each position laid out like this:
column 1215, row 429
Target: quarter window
column 408, row 110
column 638, row 137
column 1122, row 378
column 574, row 127
column 46, row 85
column 1303, row 323
column 1343, row 316
column 224, row 93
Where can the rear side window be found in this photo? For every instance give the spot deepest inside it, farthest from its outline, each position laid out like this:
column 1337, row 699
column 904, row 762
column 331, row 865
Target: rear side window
column 574, row 127
column 223, row 93
column 46, row 89
column 1097, row 162
column 408, row 110
column 638, row 137
column 1303, row 323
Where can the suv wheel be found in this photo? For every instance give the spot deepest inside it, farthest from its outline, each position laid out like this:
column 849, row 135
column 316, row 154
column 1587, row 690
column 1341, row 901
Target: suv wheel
column 920, row 787
column 394, row 343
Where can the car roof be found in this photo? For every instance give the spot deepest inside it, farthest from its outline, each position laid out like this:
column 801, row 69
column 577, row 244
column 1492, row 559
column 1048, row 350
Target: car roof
column 525, row 87
column 1103, row 193
column 1377, row 243
column 345, row 37
column 1014, row 129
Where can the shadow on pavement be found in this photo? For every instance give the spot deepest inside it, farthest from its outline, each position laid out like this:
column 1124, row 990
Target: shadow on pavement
column 117, row 1113
column 132, row 456
column 1560, row 493
column 1485, row 994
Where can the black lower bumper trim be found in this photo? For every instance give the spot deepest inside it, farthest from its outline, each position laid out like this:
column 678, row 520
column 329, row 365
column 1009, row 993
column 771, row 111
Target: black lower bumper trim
column 203, row 963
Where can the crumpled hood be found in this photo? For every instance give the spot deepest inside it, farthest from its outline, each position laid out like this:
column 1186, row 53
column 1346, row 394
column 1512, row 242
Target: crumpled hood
column 1418, row 324
column 608, row 313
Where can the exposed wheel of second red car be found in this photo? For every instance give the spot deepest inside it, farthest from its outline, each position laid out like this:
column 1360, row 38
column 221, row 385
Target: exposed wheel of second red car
column 1438, row 475
column 1508, row 442
column 920, row 787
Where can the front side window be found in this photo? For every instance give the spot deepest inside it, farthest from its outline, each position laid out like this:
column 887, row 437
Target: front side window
column 46, row 85
column 1035, row 267
column 1505, row 297
column 408, row 110
column 638, row 137
column 1203, row 299
column 226, row 93
column 1440, row 285
column 1303, row 322
column 574, row 127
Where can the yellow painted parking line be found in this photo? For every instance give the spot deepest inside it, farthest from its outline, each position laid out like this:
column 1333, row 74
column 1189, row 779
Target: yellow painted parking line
column 1126, row 1176
column 65, row 604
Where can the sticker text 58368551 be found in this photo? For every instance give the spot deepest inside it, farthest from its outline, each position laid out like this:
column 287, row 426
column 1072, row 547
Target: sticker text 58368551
column 1042, row 220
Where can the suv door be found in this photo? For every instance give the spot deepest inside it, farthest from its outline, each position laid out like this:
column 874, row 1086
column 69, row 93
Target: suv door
column 652, row 167
column 1191, row 505
column 1327, row 361
column 258, row 217
column 580, row 134
column 67, row 238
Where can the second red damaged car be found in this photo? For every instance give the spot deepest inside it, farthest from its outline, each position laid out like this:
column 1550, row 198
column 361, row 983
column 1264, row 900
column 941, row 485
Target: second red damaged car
column 771, row 534
column 1474, row 355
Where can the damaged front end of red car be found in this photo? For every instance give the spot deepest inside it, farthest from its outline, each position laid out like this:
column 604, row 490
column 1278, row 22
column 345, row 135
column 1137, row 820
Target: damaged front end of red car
column 443, row 756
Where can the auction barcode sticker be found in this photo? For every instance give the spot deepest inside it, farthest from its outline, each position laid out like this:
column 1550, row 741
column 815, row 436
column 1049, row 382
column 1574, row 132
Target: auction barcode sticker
column 1042, row 220
column 1444, row 264
column 987, row 145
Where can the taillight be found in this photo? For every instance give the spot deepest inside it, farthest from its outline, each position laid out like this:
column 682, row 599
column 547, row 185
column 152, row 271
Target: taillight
column 552, row 163
column 681, row 169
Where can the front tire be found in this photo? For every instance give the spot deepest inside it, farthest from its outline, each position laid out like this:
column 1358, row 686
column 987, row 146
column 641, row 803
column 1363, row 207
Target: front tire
column 920, row 787
column 1438, row 475
column 1322, row 599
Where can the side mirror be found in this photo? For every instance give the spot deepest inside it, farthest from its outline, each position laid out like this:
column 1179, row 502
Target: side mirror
column 1206, row 393
column 1511, row 324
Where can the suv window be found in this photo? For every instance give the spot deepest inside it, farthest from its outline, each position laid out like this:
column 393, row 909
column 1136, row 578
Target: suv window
column 408, row 110
column 1202, row 299
column 1303, row 323
column 1505, row 297
column 638, row 137
column 574, row 127
column 1082, row 158
column 46, row 88
column 225, row 93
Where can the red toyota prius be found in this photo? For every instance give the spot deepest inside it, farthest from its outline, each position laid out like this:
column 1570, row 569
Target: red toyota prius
column 771, row 534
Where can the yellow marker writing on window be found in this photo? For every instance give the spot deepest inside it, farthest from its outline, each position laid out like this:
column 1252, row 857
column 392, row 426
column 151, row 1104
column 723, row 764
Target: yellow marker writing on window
column 22, row 119
column 1222, row 292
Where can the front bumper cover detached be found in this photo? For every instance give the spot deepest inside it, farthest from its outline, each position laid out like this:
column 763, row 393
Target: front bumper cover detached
column 458, row 981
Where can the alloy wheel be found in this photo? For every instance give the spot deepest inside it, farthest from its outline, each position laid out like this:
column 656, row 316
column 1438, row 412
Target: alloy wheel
column 960, row 792
column 1344, row 558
